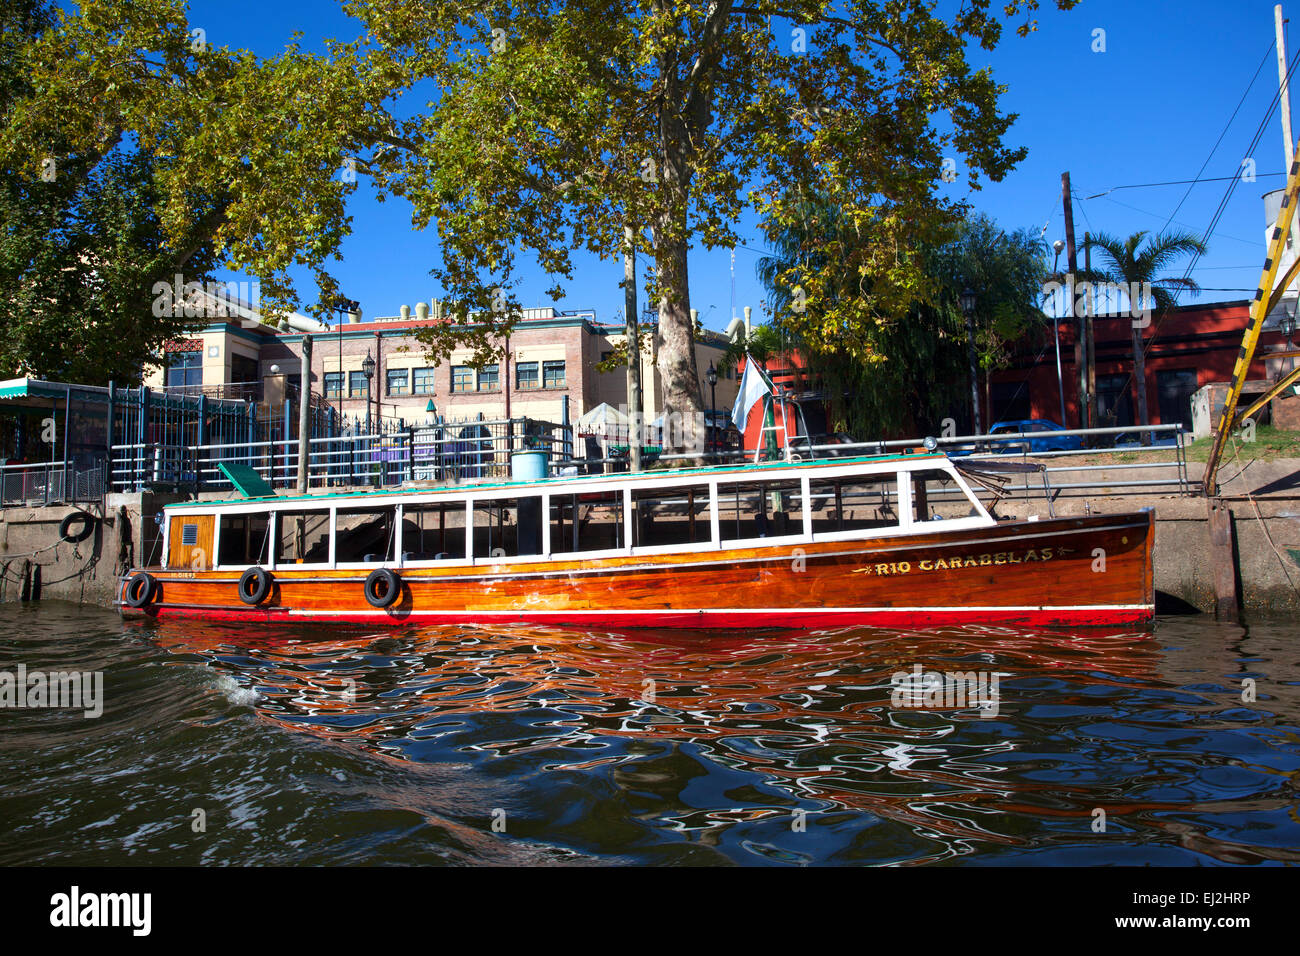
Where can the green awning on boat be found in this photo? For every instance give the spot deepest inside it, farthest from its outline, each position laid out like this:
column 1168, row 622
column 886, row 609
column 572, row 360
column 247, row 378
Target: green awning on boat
column 246, row 481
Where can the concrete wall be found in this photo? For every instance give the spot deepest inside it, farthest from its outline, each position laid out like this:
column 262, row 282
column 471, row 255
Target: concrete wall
column 125, row 535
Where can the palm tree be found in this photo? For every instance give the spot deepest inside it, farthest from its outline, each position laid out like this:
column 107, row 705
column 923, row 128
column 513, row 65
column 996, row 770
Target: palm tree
column 1136, row 268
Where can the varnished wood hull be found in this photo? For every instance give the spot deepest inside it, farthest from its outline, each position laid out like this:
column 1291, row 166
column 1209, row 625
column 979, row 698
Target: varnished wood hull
column 1094, row 570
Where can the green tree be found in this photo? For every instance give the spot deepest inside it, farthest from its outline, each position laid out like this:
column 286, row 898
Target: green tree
column 1137, row 264
column 551, row 129
column 82, row 245
column 911, row 369
column 1006, row 271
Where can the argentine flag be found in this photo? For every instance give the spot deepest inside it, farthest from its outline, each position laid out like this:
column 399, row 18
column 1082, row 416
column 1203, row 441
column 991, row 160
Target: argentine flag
column 753, row 386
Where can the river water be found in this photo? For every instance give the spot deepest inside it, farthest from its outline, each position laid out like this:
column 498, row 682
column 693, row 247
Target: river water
column 222, row 744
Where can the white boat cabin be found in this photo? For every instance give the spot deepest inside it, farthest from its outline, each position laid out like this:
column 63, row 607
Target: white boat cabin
column 594, row 516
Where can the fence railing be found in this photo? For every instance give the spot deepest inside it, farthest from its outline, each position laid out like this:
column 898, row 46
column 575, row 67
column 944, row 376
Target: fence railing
column 443, row 452
column 50, row 483
column 1166, row 456
column 478, row 451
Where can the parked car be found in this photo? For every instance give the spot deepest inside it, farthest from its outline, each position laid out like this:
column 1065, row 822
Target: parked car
column 1133, row 439
column 806, row 446
column 1039, row 437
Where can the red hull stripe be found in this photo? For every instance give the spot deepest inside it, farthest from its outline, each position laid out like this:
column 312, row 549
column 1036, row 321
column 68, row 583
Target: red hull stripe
column 1106, row 614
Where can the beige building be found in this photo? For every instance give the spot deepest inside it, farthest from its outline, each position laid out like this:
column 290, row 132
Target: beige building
column 547, row 369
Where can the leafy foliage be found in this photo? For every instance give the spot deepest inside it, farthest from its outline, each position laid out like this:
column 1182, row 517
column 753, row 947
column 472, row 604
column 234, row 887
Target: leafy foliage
column 551, row 128
column 909, row 371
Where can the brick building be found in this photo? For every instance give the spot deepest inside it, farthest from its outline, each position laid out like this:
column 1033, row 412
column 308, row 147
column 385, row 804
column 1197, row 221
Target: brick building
column 1191, row 347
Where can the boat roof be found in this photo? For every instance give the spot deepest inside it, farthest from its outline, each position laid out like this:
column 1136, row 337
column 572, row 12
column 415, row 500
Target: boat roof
column 745, row 469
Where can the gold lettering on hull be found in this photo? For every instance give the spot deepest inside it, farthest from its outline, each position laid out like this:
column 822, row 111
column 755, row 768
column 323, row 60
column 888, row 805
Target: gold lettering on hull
column 988, row 559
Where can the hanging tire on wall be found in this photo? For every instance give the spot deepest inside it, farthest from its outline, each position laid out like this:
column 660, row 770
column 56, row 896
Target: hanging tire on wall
column 85, row 523
column 254, row 585
column 140, row 590
column 382, row 587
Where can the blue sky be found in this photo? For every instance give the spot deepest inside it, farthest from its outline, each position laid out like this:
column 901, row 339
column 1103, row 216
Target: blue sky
column 1148, row 109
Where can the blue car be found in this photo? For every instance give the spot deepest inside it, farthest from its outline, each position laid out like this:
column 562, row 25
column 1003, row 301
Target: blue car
column 1039, row 437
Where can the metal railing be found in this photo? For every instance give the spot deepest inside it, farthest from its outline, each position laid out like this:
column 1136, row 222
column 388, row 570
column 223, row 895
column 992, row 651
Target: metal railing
column 1167, row 454
column 50, row 483
column 442, row 452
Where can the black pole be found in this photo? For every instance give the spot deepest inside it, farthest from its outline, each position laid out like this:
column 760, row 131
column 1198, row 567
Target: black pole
column 108, row 465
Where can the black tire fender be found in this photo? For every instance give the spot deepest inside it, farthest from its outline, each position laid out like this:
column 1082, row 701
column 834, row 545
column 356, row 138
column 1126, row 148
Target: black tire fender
column 389, row 581
column 254, row 585
column 87, row 521
column 140, row 589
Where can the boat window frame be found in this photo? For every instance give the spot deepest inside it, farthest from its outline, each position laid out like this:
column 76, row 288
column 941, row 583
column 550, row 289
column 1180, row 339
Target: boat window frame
column 361, row 505
column 223, row 511
column 328, row 563
column 803, row 536
column 650, row 549
column 624, row 489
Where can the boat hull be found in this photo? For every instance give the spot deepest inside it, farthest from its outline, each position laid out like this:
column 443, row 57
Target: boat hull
column 1094, row 570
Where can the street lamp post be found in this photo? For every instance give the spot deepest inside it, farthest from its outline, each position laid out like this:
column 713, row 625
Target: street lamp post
column 712, row 376
column 968, row 310
column 368, row 367
column 343, row 307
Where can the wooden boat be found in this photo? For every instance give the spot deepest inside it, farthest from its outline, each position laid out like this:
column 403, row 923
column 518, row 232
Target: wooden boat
column 897, row 540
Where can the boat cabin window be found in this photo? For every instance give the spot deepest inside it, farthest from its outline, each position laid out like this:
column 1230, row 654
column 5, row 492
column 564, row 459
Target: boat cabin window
column 302, row 537
column 507, row 527
column 434, row 531
column 364, row 534
column 759, row 509
column 670, row 516
column 936, row 496
column 588, row 521
column 243, row 539
column 854, row 503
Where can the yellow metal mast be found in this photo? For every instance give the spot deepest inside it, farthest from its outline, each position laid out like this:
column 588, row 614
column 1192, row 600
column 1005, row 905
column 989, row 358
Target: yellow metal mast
column 1259, row 311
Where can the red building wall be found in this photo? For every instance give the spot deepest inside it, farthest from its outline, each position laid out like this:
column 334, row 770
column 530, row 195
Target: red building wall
column 1196, row 340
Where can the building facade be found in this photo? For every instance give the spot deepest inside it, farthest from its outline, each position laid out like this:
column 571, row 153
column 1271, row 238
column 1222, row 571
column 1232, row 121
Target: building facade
column 546, row 369
column 1190, row 347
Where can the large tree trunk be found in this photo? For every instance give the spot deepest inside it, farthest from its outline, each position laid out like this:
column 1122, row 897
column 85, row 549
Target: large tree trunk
column 683, row 405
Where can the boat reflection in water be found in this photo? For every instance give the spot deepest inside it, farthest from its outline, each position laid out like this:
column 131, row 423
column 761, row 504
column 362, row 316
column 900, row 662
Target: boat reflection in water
column 791, row 746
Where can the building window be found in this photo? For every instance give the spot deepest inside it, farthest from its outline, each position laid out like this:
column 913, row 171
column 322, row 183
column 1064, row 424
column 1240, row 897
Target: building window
column 489, row 378
column 462, row 378
column 423, row 381
column 526, row 375
column 553, row 374
column 184, row 368
column 357, row 384
column 333, row 384
column 399, row 380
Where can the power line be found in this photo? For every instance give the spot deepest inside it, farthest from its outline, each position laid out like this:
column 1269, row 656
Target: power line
column 1224, row 133
column 1185, row 225
column 1173, row 182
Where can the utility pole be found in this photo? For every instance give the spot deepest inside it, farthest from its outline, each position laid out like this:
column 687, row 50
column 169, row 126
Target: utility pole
column 1284, row 90
column 1090, row 339
column 633, row 350
column 1072, row 263
column 1288, row 144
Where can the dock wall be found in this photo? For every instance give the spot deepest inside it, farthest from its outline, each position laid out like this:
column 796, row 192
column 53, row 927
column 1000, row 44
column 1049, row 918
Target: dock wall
column 125, row 534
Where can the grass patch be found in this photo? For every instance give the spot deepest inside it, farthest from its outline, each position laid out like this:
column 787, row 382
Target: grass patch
column 1269, row 443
